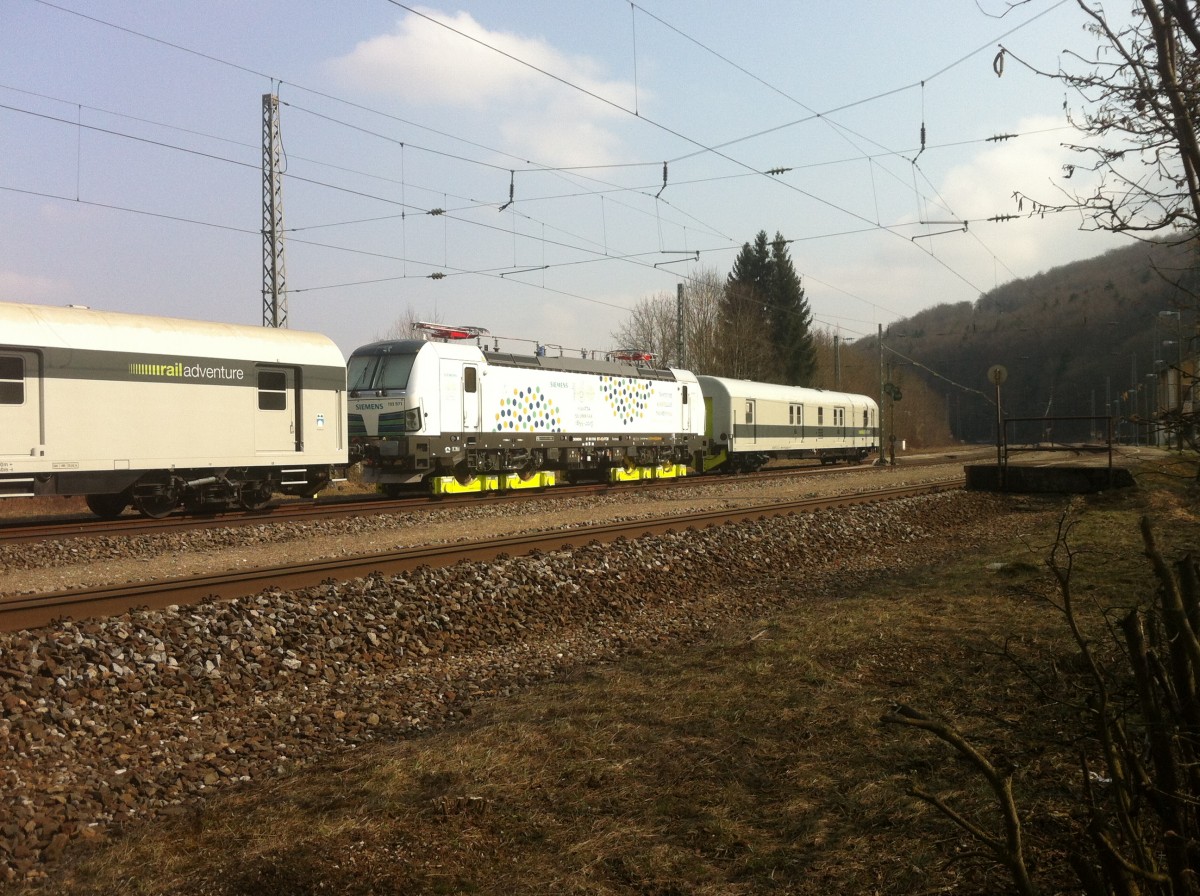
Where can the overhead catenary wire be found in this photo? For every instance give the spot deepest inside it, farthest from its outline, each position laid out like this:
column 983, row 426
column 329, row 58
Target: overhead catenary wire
column 404, row 204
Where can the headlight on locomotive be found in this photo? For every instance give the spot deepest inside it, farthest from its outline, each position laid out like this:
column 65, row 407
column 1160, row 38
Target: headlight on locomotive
column 412, row 419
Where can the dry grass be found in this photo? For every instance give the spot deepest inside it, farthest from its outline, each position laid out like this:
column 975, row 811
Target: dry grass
column 755, row 763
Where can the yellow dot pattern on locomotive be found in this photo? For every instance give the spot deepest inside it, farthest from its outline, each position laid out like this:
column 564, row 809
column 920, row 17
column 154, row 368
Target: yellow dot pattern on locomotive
column 528, row 410
column 629, row 398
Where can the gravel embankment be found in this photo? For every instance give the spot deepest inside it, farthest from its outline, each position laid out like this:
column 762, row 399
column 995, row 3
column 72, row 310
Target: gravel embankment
column 75, row 562
column 147, row 713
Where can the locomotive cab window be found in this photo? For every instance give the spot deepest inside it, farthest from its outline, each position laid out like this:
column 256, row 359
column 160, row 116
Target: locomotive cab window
column 380, row 372
column 12, row 380
column 360, row 372
column 272, row 390
column 395, row 371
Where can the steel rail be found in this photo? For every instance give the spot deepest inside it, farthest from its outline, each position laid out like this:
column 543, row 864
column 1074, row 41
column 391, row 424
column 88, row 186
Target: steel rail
column 30, row 611
column 24, row 531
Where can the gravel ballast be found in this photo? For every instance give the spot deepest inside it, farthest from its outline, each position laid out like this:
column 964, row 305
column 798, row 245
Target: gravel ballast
column 148, row 713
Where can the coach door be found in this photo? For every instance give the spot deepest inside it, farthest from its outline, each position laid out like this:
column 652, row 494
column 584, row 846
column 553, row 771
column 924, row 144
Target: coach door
column 20, row 404
column 471, row 410
column 275, row 423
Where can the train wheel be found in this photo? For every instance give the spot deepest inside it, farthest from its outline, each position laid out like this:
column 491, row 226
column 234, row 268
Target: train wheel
column 254, row 495
column 158, row 505
column 108, row 507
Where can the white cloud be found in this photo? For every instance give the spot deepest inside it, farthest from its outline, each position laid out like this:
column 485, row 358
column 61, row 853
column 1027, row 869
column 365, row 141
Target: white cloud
column 901, row 276
column 1032, row 166
column 423, row 63
column 31, row 289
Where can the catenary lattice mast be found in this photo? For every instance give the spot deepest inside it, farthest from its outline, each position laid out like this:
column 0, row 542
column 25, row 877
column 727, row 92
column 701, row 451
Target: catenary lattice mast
column 274, row 271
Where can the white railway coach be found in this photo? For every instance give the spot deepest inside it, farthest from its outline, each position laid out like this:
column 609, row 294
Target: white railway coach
column 749, row 423
column 157, row 412
column 465, row 419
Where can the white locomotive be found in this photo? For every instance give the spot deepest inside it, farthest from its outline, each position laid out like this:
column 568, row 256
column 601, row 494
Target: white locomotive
column 465, row 419
column 158, row 412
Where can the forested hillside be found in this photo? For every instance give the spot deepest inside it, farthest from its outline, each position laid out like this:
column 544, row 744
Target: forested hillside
column 1071, row 339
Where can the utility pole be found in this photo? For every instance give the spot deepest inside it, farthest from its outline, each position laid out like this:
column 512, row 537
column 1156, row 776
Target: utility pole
column 882, row 381
column 274, row 271
column 1134, row 397
column 679, row 343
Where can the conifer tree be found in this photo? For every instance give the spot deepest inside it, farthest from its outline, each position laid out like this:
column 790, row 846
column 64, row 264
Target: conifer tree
column 791, row 319
column 765, row 319
column 747, row 350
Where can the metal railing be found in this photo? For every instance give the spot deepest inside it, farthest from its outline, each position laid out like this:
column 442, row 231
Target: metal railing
column 1007, row 447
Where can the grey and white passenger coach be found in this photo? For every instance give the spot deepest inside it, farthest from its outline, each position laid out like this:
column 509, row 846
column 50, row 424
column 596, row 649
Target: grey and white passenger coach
column 159, row 412
column 749, row 424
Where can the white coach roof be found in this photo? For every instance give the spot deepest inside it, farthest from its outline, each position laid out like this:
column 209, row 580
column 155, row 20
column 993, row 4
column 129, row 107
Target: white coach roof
column 83, row 328
column 731, row 388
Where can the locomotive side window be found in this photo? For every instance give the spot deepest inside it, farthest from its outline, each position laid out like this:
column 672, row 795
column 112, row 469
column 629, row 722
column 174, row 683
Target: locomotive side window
column 12, row 380
column 272, row 390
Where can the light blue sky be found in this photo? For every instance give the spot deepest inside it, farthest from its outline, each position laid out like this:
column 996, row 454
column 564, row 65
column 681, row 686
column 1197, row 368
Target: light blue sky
column 130, row 155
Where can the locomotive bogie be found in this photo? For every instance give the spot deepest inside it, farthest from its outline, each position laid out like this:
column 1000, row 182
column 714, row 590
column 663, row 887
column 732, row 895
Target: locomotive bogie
column 159, row 412
column 639, row 473
column 451, row 485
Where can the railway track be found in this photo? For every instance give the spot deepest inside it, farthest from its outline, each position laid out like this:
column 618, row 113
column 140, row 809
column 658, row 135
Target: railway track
column 29, row 611
column 20, row 531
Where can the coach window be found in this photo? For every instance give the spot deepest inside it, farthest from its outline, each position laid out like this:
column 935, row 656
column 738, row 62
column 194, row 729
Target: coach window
column 272, row 390
column 820, row 416
column 839, row 416
column 12, row 380
column 866, row 417
column 749, row 412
